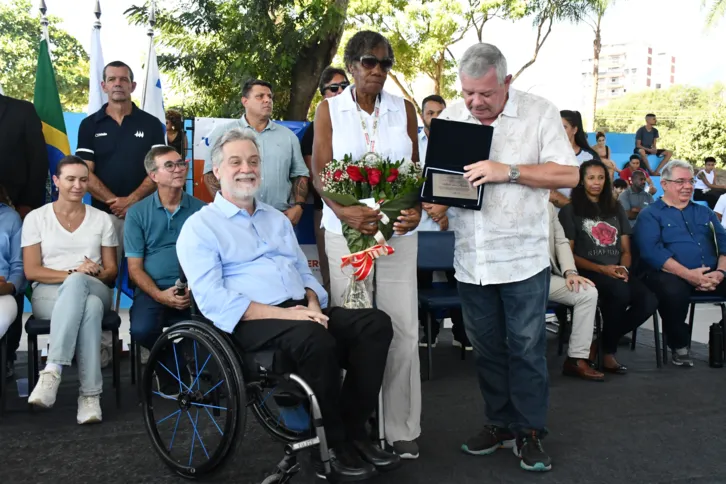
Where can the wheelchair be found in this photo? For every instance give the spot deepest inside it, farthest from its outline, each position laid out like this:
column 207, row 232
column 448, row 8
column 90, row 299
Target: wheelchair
column 212, row 384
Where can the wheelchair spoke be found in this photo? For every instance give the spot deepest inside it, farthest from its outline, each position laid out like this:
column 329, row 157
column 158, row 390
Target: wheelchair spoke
column 176, row 425
column 196, row 366
column 201, row 371
column 211, row 389
column 167, row 417
column 208, row 406
column 181, row 383
column 262, row 404
column 178, row 373
column 196, row 434
column 215, row 422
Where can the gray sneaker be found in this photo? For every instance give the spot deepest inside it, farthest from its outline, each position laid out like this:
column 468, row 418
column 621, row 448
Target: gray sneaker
column 406, row 449
column 682, row 357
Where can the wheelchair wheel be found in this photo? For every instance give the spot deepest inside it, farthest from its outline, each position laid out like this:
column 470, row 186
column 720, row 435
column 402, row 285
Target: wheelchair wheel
column 283, row 409
column 194, row 398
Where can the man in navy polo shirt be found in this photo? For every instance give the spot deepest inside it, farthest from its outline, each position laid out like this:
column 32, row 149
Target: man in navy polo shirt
column 113, row 142
column 151, row 229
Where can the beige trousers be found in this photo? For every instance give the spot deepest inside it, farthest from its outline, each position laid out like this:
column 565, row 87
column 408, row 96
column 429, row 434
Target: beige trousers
column 584, row 305
column 396, row 295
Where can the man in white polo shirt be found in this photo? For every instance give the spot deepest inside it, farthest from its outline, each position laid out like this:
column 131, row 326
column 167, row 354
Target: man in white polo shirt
column 501, row 259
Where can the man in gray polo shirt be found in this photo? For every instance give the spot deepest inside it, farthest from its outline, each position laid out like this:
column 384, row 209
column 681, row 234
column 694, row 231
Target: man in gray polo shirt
column 284, row 173
column 635, row 198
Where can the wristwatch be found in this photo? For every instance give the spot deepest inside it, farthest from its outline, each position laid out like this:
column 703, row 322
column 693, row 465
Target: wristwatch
column 513, row 173
column 723, row 272
column 571, row 271
column 300, row 204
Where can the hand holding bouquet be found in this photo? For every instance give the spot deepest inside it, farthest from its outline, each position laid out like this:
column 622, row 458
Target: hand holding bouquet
column 391, row 185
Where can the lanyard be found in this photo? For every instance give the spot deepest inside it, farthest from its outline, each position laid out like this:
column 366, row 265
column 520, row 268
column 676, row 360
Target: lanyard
column 369, row 137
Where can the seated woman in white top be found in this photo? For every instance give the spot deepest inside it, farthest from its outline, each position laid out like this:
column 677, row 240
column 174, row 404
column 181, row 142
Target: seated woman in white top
column 69, row 252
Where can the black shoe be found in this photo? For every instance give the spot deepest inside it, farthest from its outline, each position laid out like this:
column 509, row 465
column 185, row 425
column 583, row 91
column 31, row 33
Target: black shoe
column 345, row 466
column 533, row 457
column 381, row 460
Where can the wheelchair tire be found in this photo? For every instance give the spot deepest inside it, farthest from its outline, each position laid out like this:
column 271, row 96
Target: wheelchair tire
column 226, row 368
column 272, row 479
column 272, row 419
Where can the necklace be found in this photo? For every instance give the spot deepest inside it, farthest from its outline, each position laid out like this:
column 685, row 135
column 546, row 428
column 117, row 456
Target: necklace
column 370, row 138
column 69, row 219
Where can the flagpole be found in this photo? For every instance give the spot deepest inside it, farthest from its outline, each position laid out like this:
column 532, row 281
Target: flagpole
column 44, row 22
column 97, row 13
column 150, row 33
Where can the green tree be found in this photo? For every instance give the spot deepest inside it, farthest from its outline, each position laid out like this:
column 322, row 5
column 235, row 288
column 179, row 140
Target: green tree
column 209, row 47
column 688, row 118
column 716, row 10
column 20, row 33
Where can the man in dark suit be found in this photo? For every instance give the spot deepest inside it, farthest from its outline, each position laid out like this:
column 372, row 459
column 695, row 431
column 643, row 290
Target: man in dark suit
column 23, row 172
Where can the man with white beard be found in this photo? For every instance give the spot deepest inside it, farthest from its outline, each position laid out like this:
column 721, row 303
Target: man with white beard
column 251, row 279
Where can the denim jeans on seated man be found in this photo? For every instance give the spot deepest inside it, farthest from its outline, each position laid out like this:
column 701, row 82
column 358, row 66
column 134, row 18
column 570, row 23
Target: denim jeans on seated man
column 506, row 326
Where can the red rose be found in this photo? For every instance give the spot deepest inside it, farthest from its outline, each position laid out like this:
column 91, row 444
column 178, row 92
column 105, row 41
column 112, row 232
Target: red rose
column 392, row 177
column 604, row 233
column 355, row 174
column 374, row 176
column 337, row 175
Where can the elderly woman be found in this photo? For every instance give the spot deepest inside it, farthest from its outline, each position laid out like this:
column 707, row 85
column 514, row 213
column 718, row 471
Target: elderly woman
column 363, row 119
column 599, row 233
column 69, row 252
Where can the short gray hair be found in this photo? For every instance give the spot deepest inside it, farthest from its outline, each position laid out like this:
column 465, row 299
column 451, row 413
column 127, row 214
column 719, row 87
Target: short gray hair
column 667, row 170
column 479, row 58
column 234, row 134
column 155, row 152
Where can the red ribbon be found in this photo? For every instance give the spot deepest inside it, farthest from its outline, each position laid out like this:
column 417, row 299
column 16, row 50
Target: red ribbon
column 362, row 262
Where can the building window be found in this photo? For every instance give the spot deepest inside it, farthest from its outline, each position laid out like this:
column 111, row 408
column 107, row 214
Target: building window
column 650, row 50
column 612, row 91
column 633, row 70
column 648, row 83
column 649, row 71
column 657, row 86
column 650, row 60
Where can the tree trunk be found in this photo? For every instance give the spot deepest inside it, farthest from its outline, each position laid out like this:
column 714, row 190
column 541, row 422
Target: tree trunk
column 405, row 92
column 596, row 47
column 311, row 62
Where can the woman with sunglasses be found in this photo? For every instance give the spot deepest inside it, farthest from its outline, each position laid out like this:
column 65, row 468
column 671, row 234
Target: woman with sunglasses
column 599, row 233
column 333, row 82
column 69, row 252
column 365, row 118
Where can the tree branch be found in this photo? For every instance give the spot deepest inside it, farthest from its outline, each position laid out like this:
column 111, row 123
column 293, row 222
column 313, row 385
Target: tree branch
column 405, row 92
column 538, row 44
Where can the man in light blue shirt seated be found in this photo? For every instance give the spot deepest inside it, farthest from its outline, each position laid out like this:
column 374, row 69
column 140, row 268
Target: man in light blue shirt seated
column 251, row 279
column 151, row 230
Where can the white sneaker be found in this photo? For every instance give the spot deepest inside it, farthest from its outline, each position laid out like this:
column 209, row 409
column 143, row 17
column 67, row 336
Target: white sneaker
column 46, row 389
column 89, row 410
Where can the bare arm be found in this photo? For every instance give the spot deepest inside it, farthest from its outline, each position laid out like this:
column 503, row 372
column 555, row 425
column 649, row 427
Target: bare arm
column 98, row 190
column 557, row 199
column 582, row 263
column 549, row 175
column 139, row 276
column 212, row 183
column 34, row 270
column 108, row 261
column 625, row 256
column 300, row 188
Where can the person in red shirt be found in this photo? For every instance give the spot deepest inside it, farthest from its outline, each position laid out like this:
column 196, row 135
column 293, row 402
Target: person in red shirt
column 634, row 165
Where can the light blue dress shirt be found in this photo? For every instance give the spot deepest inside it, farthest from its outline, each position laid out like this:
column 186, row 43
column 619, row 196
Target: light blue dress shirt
column 232, row 258
column 11, row 253
column 281, row 156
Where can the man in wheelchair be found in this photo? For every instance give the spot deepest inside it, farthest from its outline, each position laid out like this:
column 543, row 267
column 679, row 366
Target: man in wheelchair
column 251, row 279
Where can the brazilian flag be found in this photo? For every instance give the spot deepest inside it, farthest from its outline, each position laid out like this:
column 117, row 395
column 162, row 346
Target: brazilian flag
column 47, row 104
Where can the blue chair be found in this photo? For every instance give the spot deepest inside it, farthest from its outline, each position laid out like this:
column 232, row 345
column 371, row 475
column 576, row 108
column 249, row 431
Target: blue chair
column 695, row 299
column 436, row 253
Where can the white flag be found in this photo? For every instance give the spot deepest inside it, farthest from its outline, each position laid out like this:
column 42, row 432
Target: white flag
column 96, row 96
column 153, row 102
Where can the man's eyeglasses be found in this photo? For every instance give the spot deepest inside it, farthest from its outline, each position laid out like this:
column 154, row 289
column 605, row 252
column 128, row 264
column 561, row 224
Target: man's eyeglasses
column 371, row 61
column 170, row 166
column 683, row 181
column 336, row 87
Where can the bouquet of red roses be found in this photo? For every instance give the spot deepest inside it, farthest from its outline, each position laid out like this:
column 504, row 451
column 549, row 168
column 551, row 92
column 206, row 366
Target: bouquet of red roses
column 392, row 185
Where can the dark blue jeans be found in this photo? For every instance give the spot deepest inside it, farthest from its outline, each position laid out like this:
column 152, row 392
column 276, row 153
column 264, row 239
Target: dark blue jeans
column 149, row 318
column 506, row 325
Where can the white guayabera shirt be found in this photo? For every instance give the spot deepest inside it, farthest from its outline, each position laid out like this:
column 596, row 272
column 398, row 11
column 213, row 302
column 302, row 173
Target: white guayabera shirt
column 507, row 240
